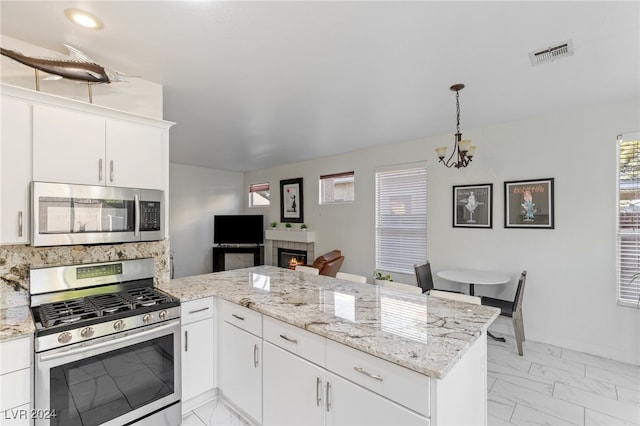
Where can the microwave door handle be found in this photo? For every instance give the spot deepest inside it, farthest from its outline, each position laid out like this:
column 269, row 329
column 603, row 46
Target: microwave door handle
column 136, row 201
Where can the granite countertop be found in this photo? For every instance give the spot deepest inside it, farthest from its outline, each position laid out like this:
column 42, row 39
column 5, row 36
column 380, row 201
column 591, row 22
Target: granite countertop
column 16, row 322
column 425, row 334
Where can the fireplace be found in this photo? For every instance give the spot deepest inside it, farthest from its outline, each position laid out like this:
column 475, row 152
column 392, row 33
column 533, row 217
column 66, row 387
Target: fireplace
column 289, row 258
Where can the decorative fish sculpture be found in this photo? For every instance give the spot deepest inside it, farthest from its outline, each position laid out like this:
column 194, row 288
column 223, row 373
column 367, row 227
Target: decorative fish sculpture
column 77, row 66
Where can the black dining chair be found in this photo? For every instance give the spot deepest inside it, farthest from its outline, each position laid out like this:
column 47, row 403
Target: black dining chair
column 424, row 278
column 512, row 309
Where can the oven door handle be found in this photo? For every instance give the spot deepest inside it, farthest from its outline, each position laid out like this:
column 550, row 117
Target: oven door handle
column 117, row 340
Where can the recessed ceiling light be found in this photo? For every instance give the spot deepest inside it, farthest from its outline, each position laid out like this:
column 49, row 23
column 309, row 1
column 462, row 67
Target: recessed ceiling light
column 82, row 18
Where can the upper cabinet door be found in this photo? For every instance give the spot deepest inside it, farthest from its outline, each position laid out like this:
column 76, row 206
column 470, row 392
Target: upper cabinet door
column 15, row 171
column 68, row 146
column 134, row 155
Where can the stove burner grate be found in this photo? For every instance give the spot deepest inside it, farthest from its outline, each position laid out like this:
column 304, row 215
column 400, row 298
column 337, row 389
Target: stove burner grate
column 66, row 312
column 102, row 305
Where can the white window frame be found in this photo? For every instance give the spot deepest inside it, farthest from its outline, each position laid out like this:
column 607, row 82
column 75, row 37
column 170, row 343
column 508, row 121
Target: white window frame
column 259, row 187
column 628, row 222
column 351, row 175
column 401, row 225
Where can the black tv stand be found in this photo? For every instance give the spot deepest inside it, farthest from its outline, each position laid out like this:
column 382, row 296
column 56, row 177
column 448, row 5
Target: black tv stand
column 220, row 251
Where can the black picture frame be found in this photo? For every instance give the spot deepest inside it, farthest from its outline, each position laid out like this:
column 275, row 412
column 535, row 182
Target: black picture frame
column 529, row 204
column 473, row 206
column 291, row 201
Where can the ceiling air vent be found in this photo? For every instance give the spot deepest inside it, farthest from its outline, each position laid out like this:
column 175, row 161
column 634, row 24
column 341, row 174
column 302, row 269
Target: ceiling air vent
column 549, row 54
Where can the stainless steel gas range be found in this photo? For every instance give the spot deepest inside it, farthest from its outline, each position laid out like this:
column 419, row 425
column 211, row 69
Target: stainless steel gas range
column 107, row 345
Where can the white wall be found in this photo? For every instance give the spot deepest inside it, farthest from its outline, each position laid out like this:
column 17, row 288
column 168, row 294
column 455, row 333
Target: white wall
column 196, row 194
column 570, row 296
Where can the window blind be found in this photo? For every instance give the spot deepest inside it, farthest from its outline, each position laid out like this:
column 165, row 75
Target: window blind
column 401, row 217
column 628, row 229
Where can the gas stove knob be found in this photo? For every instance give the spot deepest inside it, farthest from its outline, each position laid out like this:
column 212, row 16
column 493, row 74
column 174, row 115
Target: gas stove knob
column 64, row 337
column 119, row 325
column 146, row 318
column 163, row 314
column 86, row 332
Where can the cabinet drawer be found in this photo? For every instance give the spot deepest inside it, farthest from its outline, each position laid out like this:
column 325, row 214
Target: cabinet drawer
column 397, row 383
column 295, row 340
column 241, row 317
column 196, row 310
column 15, row 388
column 15, row 354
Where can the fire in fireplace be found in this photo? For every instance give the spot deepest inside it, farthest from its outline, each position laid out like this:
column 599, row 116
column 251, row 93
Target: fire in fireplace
column 289, row 258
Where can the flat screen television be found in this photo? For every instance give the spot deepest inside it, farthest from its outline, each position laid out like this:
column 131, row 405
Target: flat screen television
column 238, row 229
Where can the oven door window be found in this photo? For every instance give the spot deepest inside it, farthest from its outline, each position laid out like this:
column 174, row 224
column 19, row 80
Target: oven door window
column 101, row 388
column 61, row 215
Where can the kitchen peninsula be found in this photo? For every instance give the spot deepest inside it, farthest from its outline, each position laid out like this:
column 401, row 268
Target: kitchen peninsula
column 326, row 351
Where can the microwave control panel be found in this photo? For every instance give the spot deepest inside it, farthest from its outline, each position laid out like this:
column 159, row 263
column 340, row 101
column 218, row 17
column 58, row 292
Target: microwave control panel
column 149, row 215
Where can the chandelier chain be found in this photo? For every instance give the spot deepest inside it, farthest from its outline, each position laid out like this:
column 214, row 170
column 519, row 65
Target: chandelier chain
column 458, row 111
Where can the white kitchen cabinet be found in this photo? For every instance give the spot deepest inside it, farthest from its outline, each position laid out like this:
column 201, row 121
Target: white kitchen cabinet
column 240, row 359
column 15, row 170
column 88, row 148
column 350, row 404
column 68, row 146
column 16, row 379
column 294, row 389
column 198, row 352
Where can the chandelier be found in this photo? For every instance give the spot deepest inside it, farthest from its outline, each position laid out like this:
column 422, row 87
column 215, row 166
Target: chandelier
column 462, row 149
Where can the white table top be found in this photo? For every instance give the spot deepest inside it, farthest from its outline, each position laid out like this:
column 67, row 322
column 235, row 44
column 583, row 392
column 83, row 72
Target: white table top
column 472, row 276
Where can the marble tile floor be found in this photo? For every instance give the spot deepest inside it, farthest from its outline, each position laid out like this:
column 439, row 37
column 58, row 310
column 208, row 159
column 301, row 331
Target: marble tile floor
column 549, row 385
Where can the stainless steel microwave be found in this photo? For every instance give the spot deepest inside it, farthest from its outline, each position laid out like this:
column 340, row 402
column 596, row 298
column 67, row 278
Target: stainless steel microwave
column 66, row 214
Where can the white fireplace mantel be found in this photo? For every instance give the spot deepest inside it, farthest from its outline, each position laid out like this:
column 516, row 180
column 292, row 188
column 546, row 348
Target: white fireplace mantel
column 295, row 236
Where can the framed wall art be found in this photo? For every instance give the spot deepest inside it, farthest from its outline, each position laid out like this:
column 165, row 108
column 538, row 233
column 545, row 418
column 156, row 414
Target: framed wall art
column 529, row 204
column 291, row 201
column 473, row 206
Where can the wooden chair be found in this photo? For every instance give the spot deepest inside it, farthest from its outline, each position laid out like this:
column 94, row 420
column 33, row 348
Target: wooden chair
column 455, row 296
column 424, row 278
column 351, row 277
column 403, row 287
column 512, row 309
column 307, row 269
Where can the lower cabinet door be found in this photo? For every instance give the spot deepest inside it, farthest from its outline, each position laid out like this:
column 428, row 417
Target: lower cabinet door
column 294, row 389
column 240, row 369
column 351, row 404
column 197, row 358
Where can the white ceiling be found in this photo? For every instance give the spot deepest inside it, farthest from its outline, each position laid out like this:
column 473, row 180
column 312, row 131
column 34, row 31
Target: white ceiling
column 259, row 84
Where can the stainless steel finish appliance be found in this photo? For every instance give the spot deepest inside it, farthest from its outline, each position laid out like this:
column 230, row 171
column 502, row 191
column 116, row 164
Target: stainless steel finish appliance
column 65, row 214
column 107, row 345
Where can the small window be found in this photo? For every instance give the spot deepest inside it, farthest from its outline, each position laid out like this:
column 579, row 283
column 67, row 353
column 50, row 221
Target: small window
column 337, row 187
column 628, row 205
column 259, row 195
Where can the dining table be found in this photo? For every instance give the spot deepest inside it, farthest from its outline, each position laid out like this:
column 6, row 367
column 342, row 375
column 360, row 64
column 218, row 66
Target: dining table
column 473, row 277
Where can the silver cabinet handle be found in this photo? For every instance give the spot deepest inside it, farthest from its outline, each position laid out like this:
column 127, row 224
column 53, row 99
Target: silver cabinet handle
column 255, row 356
column 238, row 317
column 100, row 170
column 328, row 403
column 20, row 224
column 318, row 395
column 186, row 340
column 111, row 171
column 136, row 226
column 289, row 339
column 366, row 373
column 198, row 310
